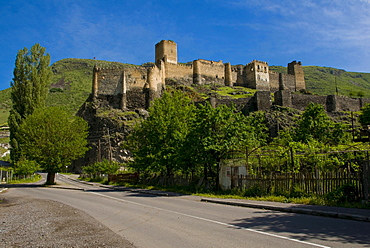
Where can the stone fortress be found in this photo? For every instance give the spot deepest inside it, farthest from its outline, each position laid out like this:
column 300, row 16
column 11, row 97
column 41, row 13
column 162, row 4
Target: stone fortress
column 133, row 87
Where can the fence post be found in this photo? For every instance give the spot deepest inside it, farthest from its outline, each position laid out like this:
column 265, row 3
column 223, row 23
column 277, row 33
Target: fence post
column 366, row 179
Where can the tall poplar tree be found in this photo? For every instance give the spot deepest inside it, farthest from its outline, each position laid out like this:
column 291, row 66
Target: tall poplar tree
column 32, row 75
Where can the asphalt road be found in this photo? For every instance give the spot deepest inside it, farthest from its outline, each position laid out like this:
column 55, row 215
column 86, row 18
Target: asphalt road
column 159, row 221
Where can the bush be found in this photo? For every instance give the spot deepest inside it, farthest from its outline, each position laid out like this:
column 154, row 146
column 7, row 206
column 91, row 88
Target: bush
column 254, row 191
column 344, row 193
column 298, row 192
column 104, row 167
column 26, row 167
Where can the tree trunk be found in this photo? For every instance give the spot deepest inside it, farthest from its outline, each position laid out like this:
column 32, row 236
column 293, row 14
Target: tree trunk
column 50, row 178
column 218, row 175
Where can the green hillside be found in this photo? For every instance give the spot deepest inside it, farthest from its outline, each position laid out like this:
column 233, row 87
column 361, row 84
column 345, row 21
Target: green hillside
column 72, row 80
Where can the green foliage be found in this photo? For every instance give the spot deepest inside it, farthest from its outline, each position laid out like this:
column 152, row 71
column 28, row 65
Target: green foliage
column 344, row 193
column 26, row 167
column 29, row 90
column 254, row 191
column 104, row 167
column 364, row 117
column 154, row 142
column 315, row 124
column 53, row 138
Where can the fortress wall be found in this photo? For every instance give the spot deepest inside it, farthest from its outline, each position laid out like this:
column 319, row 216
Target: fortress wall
column 136, row 77
column 349, row 104
column 211, row 69
column 110, row 79
column 136, row 98
column 301, row 101
column 239, row 72
column 283, row 98
column 343, row 103
column 274, row 81
column 287, row 81
column 178, row 70
column 154, row 77
column 234, row 74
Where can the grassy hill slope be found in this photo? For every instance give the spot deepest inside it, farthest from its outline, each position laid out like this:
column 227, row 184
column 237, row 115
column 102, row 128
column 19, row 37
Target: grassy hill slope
column 72, row 79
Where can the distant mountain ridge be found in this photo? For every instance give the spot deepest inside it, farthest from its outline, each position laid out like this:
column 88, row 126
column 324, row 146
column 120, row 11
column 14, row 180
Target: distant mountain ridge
column 71, row 83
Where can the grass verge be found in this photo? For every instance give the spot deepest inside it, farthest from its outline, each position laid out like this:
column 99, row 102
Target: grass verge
column 32, row 179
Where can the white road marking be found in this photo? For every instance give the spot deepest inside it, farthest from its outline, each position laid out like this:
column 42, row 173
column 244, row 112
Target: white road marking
column 214, row 221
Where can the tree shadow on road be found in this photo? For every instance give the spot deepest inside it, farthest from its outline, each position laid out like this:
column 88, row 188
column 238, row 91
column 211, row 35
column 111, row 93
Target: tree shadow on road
column 307, row 227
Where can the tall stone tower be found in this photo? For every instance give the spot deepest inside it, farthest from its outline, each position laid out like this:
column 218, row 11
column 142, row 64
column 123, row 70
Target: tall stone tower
column 257, row 75
column 295, row 68
column 166, row 50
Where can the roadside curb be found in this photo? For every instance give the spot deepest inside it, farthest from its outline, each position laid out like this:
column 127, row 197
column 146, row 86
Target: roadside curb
column 300, row 210
column 2, row 190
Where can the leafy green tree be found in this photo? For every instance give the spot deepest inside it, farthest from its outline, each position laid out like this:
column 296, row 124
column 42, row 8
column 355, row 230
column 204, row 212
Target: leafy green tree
column 53, row 138
column 32, row 75
column 156, row 141
column 364, row 117
column 26, row 167
column 315, row 124
column 103, row 167
column 221, row 131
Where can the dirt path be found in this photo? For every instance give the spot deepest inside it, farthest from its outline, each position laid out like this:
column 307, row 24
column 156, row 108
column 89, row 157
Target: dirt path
column 29, row 222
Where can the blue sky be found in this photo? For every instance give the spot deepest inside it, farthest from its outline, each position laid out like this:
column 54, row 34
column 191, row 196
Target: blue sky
column 333, row 33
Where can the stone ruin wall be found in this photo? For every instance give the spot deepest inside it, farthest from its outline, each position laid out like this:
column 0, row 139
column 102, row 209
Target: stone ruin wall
column 109, row 85
column 206, row 72
column 295, row 68
column 263, row 101
column 301, row 101
column 287, row 82
column 274, row 81
column 179, row 72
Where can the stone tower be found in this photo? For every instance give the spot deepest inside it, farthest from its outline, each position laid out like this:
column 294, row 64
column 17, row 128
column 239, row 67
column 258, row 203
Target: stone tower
column 295, row 68
column 257, row 75
column 166, row 50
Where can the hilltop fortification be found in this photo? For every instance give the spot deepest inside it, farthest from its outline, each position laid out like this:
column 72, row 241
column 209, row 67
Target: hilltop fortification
column 135, row 87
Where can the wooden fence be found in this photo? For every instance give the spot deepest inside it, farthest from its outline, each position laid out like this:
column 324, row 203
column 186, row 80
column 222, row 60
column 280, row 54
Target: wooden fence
column 317, row 183
column 127, row 177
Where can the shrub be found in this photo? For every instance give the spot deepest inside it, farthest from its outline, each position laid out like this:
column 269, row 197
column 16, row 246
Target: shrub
column 254, row 191
column 344, row 193
column 104, row 167
column 298, row 192
column 26, row 167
